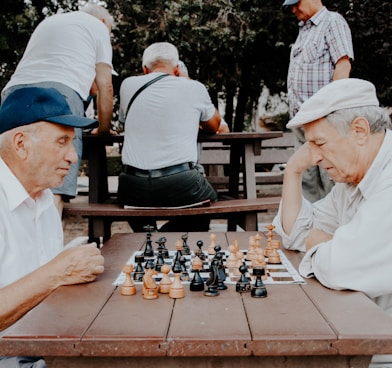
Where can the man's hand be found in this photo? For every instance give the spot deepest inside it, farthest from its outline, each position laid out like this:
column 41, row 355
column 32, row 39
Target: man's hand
column 79, row 264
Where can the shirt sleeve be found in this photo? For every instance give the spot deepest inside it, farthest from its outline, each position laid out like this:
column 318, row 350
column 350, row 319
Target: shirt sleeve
column 338, row 38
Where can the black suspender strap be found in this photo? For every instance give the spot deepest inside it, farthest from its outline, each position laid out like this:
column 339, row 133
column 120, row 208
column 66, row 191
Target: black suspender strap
column 144, row 86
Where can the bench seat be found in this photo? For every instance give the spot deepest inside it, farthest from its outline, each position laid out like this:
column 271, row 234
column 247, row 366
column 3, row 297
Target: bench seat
column 242, row 211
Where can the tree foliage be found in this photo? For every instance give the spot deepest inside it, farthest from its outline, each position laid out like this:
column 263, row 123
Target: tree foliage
column 233, row 47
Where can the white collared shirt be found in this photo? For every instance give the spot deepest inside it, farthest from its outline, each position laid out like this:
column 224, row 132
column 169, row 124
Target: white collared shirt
column 30, row 230
column 359, row 256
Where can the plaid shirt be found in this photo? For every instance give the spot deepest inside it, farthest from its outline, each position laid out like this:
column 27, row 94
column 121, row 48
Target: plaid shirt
column 322, row 40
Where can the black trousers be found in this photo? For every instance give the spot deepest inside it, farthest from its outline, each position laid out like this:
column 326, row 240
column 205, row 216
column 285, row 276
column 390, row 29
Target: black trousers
column 179, row 189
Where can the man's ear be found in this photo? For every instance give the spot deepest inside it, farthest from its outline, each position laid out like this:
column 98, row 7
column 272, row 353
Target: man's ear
column 19, row 143
column 177, row 70
column 145, row 70
column 360, row 127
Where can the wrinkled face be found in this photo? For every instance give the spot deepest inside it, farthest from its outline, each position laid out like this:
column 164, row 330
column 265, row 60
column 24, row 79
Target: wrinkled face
column 304, row 9
column 50, row 154
column 337, row 154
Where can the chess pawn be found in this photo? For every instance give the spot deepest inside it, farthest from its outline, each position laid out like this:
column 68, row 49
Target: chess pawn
column 177, row 290
column 128, row 287
column 258, row 290
column 198, row 251
column 197, row 283
column 164, row 285
column 184, row 272
column 231, row 261
column 211, row 249
column 243, row 284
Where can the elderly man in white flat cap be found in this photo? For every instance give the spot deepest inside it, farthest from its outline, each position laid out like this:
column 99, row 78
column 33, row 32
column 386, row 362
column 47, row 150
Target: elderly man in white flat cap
column 347, row 234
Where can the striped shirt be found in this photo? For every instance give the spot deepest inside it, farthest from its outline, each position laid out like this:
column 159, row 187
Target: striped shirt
column 322, row 40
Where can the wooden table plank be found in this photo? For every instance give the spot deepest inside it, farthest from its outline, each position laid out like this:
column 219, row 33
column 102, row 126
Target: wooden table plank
column 364, row 332
column 288, row 324
column 209, row 326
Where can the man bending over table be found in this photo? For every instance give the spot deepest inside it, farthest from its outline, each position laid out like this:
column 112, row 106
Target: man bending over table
column 36, row 152
column 347, row 234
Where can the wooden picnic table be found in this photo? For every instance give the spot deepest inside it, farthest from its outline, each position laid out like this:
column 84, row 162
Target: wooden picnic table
column 296, row 325
column 243, row 149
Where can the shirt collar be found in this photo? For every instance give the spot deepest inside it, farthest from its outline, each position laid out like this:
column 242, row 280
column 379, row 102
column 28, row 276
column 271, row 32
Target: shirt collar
column 316, row 19
column 383, row 157
column 16, row 194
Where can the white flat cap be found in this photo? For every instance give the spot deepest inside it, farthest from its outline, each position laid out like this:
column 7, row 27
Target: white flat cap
column 337, row 95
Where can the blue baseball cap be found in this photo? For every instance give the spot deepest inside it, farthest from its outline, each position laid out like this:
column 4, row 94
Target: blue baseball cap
column 290, row 3
column 29, row 105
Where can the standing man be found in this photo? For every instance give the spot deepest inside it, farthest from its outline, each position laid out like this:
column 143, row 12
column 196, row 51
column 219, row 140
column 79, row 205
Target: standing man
column 71, row 52
column 36, row 153
column 160, row 142
column 322, row 53
column 347, row 234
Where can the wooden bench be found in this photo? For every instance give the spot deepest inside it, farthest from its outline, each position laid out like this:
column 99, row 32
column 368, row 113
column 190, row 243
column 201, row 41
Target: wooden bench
column 215, row 158
column 239, row 211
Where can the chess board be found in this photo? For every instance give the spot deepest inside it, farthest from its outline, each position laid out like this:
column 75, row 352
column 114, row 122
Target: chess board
column 282, row 273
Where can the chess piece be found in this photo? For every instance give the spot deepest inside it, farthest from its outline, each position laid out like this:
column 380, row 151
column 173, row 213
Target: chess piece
column 159, row 262
column 212, row 282
column 274, row 257
column 128, row 287
column 150, row 289
column 184, row 272
column 258, row 290
column 197, row 283
column 162, row 247
column 251, row 249
column 198, row 251
column 177, row 290
column 164, row 285
column 211, row 249
column 148, row 251
column 139, row 270
column 221, row 271
column 231, row 261
column 243, row 284
column 185, row 247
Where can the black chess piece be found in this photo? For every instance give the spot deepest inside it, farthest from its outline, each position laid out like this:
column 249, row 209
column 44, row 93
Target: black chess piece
column 176, row 266
column 197, row 283
column 148, row 251
column 185, row 247
column 139, row 270
column 184, row 272
column 162, row 247
column 212, row 282
column 258, row 290
column 243, row 284
column 199, row 251
column 159, row 261
column 221, row 271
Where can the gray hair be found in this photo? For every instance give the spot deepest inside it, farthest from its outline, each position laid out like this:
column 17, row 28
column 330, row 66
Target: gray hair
column 377, row 117
column 98, row 12
column 160, row 52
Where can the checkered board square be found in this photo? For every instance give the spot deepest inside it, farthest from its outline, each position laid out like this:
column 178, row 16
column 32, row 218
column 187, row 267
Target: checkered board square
column 282, row 273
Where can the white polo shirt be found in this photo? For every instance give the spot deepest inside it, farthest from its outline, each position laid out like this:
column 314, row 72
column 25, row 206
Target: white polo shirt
column 30, row 230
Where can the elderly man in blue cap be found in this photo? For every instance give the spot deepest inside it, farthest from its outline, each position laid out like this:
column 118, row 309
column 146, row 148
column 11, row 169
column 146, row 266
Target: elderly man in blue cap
column 36, row 152
column 322, row 53
column 347, row 234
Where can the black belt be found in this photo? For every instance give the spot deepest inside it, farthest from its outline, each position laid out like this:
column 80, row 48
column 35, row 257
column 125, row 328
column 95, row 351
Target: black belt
column 158, row 173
